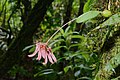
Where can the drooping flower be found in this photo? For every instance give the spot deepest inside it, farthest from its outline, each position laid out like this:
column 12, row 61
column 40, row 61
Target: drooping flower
column 44, row 52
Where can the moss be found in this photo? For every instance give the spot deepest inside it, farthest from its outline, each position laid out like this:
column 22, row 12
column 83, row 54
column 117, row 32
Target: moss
column 110, row 58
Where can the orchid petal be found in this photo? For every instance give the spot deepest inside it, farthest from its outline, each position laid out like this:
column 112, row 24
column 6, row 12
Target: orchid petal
column 43, row 51
column 39, row 56
column 35, row 52
column 50, row 59
column 45, row 62
column 53, row 57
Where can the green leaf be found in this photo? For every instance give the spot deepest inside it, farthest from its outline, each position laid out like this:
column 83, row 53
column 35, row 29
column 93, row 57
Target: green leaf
column 87, row 16
column 84, row 78
column 57, row 36
column 59, row 40
column 62, row 32
column 57, row 48
column 28, row 47
column 67, row 29
column 77, row 36
column 67, row 68
column 113, row 63
column 84, row 67
column 47, row 70
column 77, row 73
column 114, row 19
column 88, row 5
column 69, row 34
column 86, row 56
column 44, row 72
column 32, row 49
column 73, row 55
column 74, row 45
column 108, row 67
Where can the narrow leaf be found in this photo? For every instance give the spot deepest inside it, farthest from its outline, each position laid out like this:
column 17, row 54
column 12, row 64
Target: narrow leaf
column 56, row 41
column 32, row 49
column 57, row 48
column 28, row 47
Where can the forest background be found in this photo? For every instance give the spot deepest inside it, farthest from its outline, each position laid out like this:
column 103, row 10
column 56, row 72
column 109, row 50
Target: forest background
column 86, row 48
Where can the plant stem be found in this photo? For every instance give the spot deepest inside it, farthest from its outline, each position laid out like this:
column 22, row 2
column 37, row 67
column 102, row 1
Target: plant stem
column 60, row 29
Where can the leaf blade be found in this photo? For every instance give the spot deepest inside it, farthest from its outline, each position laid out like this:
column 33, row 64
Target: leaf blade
column 87, row 16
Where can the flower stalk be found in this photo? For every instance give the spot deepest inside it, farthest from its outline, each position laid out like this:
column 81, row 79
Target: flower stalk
column 44, row 51
column 60, row 29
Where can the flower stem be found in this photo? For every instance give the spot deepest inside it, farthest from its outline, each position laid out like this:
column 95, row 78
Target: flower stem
column 60, row 29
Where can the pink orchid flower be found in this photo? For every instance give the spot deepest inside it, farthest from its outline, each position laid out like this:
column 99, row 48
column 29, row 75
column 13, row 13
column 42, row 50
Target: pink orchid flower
column 44, row 52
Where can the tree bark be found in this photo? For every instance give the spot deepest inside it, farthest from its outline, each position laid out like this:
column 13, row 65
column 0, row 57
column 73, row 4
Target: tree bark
column 68, row 11
column 109, row 66
column 12, row 56
column 80, row 12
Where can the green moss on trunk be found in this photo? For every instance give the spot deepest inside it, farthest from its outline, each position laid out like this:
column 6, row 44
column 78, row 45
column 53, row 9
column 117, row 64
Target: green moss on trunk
column 110, row 60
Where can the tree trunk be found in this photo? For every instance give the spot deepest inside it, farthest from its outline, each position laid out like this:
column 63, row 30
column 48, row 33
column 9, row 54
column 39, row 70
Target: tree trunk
column 110, row 59
column 68, row 11
column 12, row 56
column 79, row 26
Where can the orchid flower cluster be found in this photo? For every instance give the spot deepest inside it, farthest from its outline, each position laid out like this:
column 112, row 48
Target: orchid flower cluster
column 44, row 51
